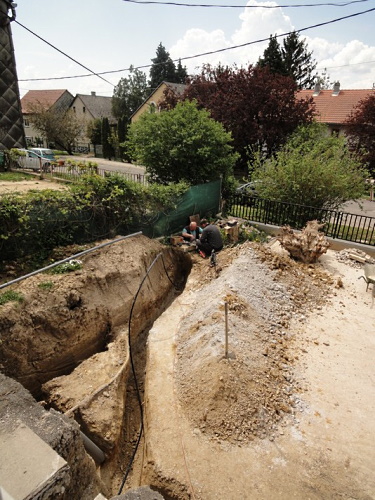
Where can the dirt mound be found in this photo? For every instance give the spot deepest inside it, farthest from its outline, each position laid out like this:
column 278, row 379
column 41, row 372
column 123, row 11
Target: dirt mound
column 66, row 318
column 252, row 391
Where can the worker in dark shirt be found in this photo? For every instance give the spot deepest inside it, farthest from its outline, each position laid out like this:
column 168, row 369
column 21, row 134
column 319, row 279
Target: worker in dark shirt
column 210, row 239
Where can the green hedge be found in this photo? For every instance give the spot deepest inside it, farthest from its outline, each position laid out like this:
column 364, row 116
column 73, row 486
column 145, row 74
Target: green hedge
column 94, row 209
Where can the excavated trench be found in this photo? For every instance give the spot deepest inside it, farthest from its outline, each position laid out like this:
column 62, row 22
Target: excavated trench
column 68, row 341
column 206, row 415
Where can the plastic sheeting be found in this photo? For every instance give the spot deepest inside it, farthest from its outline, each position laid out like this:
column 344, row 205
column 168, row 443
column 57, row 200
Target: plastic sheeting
column 203, row 200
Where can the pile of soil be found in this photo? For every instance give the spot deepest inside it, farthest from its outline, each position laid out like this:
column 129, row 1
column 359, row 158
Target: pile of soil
column 288, row 413
column 251, row 390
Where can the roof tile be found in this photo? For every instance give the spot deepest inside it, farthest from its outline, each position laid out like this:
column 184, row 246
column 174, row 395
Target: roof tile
column 335, row 109
column 45, row 97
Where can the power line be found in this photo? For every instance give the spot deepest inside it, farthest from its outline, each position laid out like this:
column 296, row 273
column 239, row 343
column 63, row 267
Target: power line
column 203, row 53
column 345, row 65
column 63, row 53
column 176, row 4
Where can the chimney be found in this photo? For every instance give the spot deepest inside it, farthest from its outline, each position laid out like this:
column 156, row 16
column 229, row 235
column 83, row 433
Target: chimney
column 93, row 93
column 336, row 88
column 317, row 89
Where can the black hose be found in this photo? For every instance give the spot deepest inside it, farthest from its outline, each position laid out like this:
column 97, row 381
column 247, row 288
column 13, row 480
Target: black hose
column 135, row 377
column 141, row 428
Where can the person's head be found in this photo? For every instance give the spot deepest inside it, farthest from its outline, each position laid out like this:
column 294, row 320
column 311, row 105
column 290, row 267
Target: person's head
column 193, row 226
column 204, row 222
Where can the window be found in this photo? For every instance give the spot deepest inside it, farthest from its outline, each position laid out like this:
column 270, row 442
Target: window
column 26, row 122
column 84, row 109
column 74, row 109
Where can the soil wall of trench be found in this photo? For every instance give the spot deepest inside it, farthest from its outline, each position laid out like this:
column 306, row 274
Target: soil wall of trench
column 67, row 341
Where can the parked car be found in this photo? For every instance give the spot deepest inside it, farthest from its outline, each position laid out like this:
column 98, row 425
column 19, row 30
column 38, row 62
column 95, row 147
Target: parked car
column 37, row 159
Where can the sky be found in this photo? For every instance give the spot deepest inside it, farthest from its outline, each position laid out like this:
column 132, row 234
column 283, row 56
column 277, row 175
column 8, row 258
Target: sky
column 111, row 35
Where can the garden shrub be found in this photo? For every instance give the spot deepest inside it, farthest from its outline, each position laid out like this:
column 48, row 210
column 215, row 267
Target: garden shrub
column 93, row 209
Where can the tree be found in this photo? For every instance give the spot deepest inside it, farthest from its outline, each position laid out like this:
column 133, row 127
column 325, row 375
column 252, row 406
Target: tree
column 298, row 61
column 58, row 126
column 163, row 68
column 129, row 94
column 292, row 59
column 181, row 73
column 94, row 131
column 361, row 131
column 183, row 144
column 122, row 128
column 259, row 108
column 324, row 80
column 313, row 168
column 273, row 58
column 106, row 139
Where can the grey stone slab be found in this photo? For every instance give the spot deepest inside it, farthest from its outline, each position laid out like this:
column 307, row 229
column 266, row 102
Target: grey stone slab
column 29, row 468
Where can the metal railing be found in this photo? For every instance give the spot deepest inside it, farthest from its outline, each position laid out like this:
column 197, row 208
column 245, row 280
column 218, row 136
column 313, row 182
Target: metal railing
column 342, row 225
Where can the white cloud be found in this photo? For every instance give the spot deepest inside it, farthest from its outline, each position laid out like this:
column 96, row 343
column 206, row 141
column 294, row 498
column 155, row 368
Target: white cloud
column 198, row 41
column 254, row 24
column 350, row 64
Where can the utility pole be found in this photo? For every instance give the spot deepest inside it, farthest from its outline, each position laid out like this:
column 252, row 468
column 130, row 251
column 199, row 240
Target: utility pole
column 12, row 133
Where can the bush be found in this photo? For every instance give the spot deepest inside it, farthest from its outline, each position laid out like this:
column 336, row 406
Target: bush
column 313, row 168
column 93, row 209
column 182, row 144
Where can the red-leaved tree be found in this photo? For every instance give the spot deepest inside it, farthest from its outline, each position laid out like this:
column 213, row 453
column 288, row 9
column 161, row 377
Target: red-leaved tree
column 259, row 108
column 361, row 131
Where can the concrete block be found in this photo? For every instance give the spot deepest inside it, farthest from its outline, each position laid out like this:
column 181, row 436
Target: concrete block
column 4, row 495
column 29, row 468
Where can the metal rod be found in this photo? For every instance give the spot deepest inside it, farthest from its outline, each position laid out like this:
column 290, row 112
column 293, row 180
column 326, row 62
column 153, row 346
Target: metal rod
column 67, row 259
column 226, row 329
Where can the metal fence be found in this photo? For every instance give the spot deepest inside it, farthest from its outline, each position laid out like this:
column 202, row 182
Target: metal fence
column 343, row 225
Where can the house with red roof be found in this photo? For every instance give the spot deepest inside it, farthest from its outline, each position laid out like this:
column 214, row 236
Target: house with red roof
column 333, row 107
column 47, row 99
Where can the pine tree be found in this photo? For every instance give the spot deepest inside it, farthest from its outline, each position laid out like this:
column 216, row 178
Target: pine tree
column 298, row 61
column 181, row 73
column 273, row 58
column 163, row 68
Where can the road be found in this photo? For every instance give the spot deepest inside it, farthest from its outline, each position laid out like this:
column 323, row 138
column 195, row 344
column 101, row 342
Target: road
column 364, row 207
column 114, row 166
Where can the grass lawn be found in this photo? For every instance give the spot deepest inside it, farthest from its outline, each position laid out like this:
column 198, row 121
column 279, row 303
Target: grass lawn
column 15, row 176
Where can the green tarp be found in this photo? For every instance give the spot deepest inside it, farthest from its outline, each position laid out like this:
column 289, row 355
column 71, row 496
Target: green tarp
column 203, row 199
